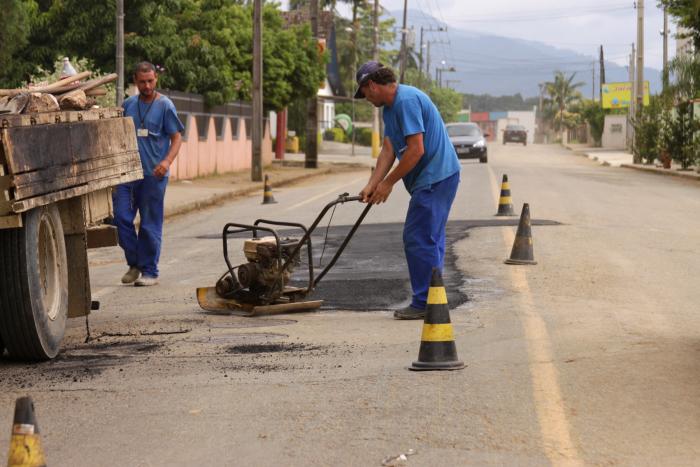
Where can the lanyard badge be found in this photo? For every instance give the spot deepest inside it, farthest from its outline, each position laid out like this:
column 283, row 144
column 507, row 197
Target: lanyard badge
column 142, row 131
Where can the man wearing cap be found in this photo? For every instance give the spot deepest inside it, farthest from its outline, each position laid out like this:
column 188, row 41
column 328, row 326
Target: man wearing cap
column 415, row 135
column 158, row 135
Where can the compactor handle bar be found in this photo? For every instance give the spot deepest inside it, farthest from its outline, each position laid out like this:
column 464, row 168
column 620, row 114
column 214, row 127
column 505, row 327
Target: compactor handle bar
column 343, row 198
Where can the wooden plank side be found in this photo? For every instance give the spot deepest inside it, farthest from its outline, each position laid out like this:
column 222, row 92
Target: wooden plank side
column 44, row 146
column 40, row 188
column 93, row 139
column 30, row 203
column 47, row 118
column 79, row 168
column 36, row 147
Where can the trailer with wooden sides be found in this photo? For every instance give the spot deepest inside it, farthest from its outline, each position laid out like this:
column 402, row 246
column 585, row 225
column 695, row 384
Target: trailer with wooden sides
column 56, row 173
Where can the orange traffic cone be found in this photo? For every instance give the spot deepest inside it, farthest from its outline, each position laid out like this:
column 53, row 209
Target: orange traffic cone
column 437, row 343
column 25, row 444
column 267, row 192
column 505, row 203
column 522, row 246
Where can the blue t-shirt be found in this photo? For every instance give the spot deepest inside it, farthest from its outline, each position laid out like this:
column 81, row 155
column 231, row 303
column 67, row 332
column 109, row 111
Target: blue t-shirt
column 413, row 112
column 160, row 118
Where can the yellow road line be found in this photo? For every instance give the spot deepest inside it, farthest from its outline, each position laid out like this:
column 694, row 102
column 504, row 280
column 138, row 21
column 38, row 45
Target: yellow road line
column 551, row 411
column 336, row 190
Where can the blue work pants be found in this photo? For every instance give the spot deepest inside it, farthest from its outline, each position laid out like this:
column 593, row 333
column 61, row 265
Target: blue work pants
column 424, row 234
column 142, row 249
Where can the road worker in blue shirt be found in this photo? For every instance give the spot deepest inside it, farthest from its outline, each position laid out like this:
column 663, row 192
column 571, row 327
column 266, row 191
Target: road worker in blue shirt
column 415, row 135
column 158, row 133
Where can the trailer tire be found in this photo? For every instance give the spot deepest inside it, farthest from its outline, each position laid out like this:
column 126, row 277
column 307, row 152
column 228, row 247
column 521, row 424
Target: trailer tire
column 34, row 286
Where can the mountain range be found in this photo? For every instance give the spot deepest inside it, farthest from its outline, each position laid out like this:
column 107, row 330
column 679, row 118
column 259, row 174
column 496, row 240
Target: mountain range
column 497, row 65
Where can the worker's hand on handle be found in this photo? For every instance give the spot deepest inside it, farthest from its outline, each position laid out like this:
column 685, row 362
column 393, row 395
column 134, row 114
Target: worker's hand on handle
column 161, row 169
column 367, row 191
column 381, row 193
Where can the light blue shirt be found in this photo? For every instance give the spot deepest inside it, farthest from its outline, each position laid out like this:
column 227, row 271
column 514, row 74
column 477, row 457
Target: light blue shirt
column 413, row 112
column 160, row 119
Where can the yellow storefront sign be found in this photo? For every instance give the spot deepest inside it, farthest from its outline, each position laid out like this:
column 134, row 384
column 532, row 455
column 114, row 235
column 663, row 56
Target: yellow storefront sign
column 617, row 95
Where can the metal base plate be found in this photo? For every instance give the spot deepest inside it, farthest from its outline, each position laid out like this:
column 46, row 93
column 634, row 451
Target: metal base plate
column 209, row 300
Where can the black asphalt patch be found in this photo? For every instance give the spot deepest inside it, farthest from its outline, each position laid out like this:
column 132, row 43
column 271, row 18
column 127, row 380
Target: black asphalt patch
column 371, row 274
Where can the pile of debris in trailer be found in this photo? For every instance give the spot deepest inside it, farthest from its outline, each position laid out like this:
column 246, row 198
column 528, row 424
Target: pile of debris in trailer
column 68, row 93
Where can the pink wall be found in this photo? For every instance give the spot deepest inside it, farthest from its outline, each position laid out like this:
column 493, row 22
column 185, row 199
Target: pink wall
column 210, row 157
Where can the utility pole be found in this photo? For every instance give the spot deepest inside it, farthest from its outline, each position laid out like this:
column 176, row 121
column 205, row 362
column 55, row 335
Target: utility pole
column 420, row 57
column 256, row 165
column 640, row 54
column 375, row 57
column 633, row 81
column 427, row 65
column 665, row 34
column 311, row 160
column 630, row 113
column 420, row 50
column 602, row 74
column 404, row 32
column 120, row 52
column 593, row 81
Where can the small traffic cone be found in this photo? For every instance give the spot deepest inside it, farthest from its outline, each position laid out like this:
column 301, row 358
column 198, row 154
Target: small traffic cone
column 267, row 192
column 505, row 203
column 522, row 246
column 25, row 444
column 437, row 344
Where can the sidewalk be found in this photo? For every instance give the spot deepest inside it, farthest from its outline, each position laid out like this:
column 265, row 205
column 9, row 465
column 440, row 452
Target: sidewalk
column 619, row 158
column 183, row 196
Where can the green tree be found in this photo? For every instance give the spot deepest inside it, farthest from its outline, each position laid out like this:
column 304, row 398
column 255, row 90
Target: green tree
column 563, row 92
column 647, row 131
column 15, row 27
column 686, row 74
column 687, row 13
column 205, row 46
column 448, row 102
column 592, row 113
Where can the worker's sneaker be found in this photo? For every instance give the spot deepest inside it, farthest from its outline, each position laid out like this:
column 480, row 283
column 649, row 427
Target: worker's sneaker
column 131, row 275
column 409, row 313
column 145, row 281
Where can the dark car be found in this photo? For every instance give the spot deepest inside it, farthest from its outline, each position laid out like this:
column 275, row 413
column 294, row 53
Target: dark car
column 515, row 134
column 468, row 140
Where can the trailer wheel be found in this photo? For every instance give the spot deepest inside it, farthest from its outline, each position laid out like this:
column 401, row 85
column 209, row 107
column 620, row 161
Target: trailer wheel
column 34, row 286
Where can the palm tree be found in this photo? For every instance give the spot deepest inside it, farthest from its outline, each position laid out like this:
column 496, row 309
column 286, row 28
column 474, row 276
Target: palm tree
column 686, row 72
column 563, row 92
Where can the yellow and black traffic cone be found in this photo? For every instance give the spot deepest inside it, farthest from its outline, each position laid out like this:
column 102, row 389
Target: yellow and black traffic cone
column 267, row 192
column 437, row 343
column 522, row 246
column 25, row 444
column 505, row 203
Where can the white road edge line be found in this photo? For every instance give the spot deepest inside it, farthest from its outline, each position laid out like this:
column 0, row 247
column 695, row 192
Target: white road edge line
column 336, row 190
column 551, row 410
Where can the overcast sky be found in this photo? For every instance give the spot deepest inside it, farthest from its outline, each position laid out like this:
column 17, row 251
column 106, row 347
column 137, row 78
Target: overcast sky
column 580, row 25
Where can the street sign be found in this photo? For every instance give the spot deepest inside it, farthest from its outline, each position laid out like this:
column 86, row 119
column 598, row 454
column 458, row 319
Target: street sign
column 618, row 95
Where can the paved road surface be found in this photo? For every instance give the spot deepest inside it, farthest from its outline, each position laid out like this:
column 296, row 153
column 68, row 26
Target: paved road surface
column 590, row 357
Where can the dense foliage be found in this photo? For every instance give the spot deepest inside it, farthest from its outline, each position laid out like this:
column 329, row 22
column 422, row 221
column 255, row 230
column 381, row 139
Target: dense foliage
column 204, row 46
column 687, row 14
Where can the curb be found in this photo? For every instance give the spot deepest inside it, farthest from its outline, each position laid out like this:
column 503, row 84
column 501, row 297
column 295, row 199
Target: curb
column 668, row 172
column 229, row 195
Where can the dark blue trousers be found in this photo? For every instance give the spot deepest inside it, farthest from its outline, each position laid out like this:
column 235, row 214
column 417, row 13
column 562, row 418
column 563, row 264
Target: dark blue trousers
column 142, row 249
column 424, row 234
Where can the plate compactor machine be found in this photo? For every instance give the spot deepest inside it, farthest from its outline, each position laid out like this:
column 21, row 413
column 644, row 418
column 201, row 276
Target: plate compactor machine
column 261, row 286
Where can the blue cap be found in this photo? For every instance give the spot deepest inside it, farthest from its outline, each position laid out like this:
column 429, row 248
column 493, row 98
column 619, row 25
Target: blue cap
column 363, row 75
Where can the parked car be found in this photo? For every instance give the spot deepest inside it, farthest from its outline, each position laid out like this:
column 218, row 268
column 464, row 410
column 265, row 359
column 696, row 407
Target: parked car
column 468, row 140
column 515, row 134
